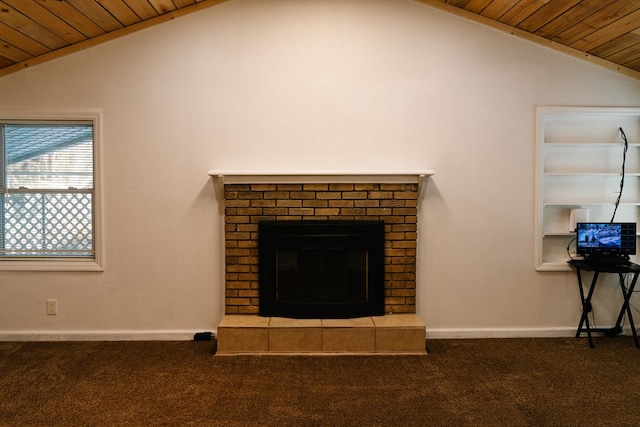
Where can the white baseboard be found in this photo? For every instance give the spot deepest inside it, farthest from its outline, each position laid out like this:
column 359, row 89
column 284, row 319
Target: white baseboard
column 107, row 335
column 187, row 335
column 457, row 333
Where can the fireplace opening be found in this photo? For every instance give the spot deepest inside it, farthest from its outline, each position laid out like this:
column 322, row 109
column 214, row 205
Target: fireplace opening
column 321, row 268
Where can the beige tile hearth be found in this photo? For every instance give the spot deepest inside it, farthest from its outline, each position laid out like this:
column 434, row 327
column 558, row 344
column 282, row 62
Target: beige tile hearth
column 243, row 334
column 397, row 333
column 343, row 335
column 295, row 335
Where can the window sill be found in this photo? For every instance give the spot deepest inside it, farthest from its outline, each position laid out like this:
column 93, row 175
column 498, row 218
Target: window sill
column 46, row 265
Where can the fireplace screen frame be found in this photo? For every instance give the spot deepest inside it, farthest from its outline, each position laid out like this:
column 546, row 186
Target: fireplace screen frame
column 330, row 236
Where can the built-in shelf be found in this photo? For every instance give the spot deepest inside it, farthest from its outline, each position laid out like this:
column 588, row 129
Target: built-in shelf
column 322, row 177
column 579, row 166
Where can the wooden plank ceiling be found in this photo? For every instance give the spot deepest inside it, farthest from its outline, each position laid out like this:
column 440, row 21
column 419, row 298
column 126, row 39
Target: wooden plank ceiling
column 606, row 32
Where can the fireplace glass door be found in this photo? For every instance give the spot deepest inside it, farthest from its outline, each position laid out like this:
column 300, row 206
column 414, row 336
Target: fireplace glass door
column 321, row 276
column 321, row 269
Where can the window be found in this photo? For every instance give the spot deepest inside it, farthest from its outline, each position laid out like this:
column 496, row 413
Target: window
column 48, row 194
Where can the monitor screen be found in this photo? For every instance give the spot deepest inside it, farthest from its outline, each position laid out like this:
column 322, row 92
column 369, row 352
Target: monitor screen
column 605, row 238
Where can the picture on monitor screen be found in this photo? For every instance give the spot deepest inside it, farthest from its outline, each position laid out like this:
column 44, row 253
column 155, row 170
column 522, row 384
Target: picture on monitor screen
column 604, row 238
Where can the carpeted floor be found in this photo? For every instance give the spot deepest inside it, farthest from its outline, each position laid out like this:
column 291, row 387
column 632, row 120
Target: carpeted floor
column 491, row 382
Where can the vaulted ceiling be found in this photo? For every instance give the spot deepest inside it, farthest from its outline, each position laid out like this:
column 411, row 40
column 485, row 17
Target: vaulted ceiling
column 605, row 32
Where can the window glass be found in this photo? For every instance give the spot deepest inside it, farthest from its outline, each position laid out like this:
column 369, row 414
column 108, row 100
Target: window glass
column 47, row 190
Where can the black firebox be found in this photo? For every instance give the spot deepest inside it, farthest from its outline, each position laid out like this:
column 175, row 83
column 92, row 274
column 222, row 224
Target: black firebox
column 321, row 268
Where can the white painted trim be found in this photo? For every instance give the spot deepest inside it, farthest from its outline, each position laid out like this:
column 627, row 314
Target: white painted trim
column 53, row 265
column 318, row 177
column 97, row 263
column 188, row 334
column 458, row 333
column 107, row 335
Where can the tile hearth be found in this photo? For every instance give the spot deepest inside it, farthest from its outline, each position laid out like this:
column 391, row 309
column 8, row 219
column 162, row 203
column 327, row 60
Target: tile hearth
column 390, row 334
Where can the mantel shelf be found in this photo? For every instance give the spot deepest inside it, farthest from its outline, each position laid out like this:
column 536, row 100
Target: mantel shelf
column 321, row 177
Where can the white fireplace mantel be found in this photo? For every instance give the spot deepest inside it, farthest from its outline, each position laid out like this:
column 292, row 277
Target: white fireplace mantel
column 323, row 177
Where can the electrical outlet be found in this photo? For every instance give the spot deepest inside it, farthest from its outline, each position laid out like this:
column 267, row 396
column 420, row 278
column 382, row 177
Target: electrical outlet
column 52, row 307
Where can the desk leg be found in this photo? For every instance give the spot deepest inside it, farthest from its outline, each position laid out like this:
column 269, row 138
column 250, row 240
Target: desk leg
column 586, row 306
column 626, row 307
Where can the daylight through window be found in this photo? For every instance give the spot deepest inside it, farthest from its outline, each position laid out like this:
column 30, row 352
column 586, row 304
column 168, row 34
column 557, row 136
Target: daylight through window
column 47, row 190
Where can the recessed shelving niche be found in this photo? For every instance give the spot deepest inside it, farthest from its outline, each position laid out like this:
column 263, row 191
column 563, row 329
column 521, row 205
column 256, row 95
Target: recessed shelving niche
column 579, row 152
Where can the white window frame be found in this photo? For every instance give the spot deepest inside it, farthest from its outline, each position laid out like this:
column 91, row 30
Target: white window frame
column 66, row 264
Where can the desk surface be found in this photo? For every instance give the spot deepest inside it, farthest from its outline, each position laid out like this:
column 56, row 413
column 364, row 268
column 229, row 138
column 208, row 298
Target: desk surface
column 605, row 267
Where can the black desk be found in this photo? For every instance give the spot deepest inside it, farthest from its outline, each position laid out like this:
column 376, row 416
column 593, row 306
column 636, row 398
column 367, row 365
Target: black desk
column 597, row 268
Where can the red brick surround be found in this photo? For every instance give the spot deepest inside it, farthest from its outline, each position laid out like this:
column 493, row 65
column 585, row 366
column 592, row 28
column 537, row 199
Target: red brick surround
column 247, row 204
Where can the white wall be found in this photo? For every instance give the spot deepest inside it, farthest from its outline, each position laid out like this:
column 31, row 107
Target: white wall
column 281, row 85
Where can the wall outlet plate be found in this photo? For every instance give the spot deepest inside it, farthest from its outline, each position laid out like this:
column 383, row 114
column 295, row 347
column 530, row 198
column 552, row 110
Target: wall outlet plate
column 52, row 307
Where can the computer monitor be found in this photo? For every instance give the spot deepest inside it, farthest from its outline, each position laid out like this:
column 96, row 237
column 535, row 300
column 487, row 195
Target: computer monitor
column 601, row 239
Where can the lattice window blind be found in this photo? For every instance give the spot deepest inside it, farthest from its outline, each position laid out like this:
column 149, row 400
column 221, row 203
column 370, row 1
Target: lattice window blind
column 47, row 191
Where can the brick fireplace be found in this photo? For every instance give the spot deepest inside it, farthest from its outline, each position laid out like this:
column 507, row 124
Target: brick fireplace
column 247, row 204
column 249, row 199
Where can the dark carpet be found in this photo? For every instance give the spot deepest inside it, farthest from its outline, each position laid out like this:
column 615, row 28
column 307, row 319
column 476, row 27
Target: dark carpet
column 488, row 382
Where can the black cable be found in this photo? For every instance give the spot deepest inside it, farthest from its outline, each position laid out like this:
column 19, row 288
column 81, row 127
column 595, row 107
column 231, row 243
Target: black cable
column 624, row 160
column 569, row 248
column 617, row 202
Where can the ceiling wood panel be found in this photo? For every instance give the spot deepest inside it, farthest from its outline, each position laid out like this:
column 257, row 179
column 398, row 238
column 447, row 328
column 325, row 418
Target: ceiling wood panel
column 142, row 9
column 43, row 17
column 605, row 32
column 21, row 41
column 496, row 9
column 162, row 6
column 98, row 14
column 520, row 11
column 128, row 14
column 80, row 27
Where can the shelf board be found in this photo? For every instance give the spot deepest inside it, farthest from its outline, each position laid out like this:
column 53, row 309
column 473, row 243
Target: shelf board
column 583, row 203
column 591, row 174
column 554, row 266
column 318, row 177
column 590, row 144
